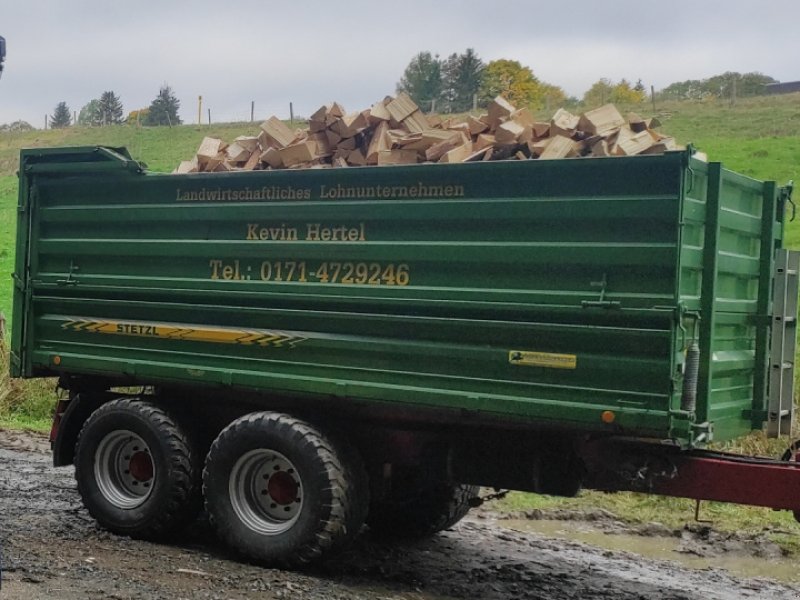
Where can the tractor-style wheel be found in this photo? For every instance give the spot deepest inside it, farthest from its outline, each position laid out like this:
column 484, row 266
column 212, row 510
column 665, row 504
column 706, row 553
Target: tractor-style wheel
column 135, row 469
column 421, row 510
column 280, row 491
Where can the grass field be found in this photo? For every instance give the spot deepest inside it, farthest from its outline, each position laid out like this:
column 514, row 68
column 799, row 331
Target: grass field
column 759, row 137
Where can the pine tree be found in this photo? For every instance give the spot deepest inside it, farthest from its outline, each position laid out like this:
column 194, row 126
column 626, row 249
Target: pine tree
column 110, row 109
column 164, row 109
column 461, row 75
column 62, row 117
column 449, row 95
column 422, row 80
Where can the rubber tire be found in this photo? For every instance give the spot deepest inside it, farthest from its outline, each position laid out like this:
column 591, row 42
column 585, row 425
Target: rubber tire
column 430, row 509
column 336, row 490
column 175, row 497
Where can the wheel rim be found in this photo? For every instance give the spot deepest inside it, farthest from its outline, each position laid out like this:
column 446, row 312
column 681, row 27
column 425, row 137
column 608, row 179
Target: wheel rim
column 124, row 469
column 266, row 491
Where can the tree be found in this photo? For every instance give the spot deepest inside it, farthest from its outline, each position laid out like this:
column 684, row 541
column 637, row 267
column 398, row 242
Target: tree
column 691, row 89
column 553, row 96
column 718, row 86
column 110, row 109
column 517, row 84
column 604, row 91
column 422, row 80
column 90, row 114
column 164, row 109
column 16, row 126
column 623, row 93
column 461, row 80
column 62, row 117
column 752, row 84
column 137, row 117
column 746, row 84
column 599, row 93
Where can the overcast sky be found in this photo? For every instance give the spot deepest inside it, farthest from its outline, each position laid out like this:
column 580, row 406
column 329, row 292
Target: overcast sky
column 312, row 52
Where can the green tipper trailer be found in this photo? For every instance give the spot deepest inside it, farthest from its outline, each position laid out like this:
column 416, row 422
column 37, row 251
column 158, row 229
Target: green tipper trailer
column 322, row 347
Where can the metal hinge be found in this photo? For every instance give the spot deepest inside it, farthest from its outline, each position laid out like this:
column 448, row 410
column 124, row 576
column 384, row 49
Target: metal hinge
column 70, row 280
column 601, row 302
column 19, row 283
column 33, row 195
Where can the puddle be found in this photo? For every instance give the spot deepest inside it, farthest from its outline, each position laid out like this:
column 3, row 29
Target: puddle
column 660, row 548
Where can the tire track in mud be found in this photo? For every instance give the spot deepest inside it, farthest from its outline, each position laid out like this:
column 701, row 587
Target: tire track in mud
column 53, row 549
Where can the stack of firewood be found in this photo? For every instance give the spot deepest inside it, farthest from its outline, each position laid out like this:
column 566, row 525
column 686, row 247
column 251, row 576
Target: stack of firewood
column 395, row 131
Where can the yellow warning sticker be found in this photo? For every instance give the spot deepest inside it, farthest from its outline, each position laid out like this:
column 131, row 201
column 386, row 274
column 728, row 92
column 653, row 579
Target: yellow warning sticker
column 192, row 333
column 543, row 359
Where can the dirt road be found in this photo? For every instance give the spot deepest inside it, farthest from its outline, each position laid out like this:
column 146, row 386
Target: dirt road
column 52, row 549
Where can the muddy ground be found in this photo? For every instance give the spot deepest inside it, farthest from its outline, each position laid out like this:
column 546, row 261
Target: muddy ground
column 51, row 549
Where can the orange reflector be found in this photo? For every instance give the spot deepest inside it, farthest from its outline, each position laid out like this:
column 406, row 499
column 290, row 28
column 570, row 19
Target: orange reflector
column 56, row 360
column 608, row 416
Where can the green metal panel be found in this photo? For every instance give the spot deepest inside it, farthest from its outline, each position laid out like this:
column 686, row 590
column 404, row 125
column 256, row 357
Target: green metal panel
column 545, row 292
column 732, row 220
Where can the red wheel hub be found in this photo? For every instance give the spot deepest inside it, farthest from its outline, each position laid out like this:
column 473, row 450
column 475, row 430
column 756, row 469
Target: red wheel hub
column 282, row 488
column 141, row 466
